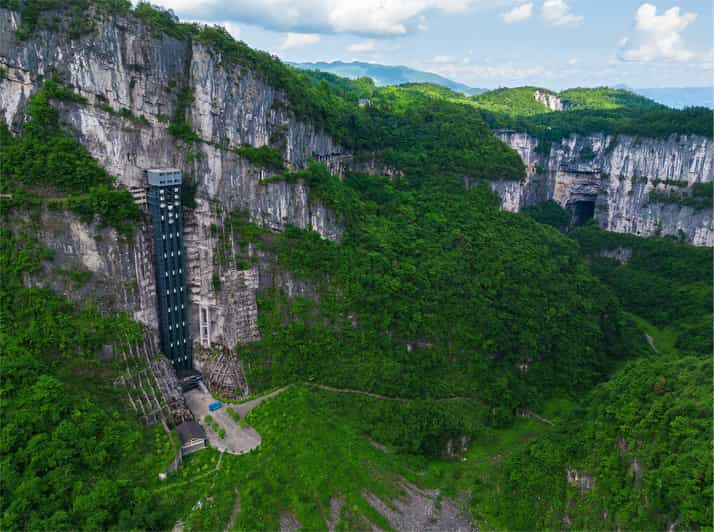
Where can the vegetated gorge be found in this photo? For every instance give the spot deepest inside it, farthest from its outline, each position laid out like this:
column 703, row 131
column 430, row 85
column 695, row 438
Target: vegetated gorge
column 490, row 311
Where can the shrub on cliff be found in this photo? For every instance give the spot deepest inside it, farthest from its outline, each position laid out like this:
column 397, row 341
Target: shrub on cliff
column 47, row 160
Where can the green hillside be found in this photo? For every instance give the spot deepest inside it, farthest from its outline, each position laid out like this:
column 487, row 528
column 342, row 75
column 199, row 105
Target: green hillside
column 596, row 110
column 606, row 98
column 443, row 269
column 517, row 101
column 588, row 110
column 643, row 439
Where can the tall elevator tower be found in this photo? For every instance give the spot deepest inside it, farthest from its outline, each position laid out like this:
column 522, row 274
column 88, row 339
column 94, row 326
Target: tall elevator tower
column 164, row 201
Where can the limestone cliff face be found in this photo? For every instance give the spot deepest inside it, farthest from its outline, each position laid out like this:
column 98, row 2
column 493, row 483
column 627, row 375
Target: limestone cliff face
column 122, row 273
column 123, row 67
column 617, row 174
column 550, row 100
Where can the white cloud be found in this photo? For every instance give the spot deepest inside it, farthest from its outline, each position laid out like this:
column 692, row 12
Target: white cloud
column 231, row 27
column 572, row 61
column 658, row 36
column 557, row 13
column 364, row 17
column 519, row 13
column 478, row 74
column 443, row 59
column 362, row 47
column 298, row 40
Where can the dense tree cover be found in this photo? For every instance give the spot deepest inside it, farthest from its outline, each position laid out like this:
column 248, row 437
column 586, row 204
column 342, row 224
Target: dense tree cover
column 656, row 122
column 474, row 291
column 549, row 213
column 423, row 135
column 414, row 427
column 662, row 280
column 43, row 159
column 517, row 101
column 605, row 98
column 71, row 458
column 599, row 110
column 665, row 282
column 520, row 101
column 45, row 155
column 644, row 438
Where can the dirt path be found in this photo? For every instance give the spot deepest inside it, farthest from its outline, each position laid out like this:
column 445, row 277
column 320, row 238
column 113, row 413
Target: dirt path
column 526, row 413
column 533, row 415
column 244, row 408
column 360, row 392
column 387, row 397
column 234, row 512
column 193, row 479
column 650, row 341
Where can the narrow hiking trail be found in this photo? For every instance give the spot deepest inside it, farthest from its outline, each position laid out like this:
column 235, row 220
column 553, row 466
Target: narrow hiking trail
column 651, row 343
column 525, row 413
column 234, row 511
column 386, row 397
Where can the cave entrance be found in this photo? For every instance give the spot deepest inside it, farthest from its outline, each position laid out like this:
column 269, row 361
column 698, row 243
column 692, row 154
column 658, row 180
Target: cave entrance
column 581, row 212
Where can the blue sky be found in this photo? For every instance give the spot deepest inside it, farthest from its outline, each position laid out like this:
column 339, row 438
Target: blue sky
column 485, row 43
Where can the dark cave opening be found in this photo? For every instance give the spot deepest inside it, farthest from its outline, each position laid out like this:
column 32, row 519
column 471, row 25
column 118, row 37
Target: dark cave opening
column 581, row 212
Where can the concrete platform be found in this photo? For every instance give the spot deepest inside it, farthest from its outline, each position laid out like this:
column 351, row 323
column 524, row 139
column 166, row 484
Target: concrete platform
column 238, row 440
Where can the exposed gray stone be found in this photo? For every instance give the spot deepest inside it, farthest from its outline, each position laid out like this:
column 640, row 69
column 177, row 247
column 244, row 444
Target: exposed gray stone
column 618, row 178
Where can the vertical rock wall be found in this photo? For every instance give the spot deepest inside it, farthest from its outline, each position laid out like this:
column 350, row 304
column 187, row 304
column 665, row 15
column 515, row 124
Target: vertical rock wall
column 124, row 66
column 616, row 174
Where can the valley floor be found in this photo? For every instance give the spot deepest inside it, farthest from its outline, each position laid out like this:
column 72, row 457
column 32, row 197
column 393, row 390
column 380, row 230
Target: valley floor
column 317, row 470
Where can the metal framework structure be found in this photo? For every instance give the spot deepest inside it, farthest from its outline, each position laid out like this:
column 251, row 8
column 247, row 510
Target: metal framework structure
column 164, row 201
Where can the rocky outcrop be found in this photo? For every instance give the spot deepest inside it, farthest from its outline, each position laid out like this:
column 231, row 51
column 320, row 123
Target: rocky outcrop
column 551, row 100
column 420, row 509
column 119, row 271
column 94, row 265
column 576, row 478
column 614, row 176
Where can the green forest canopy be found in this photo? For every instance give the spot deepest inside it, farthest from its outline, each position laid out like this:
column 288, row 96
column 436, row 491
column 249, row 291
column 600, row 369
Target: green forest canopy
column 590, row 110
column 72, row 458
column 643, row 438
column 446, row 271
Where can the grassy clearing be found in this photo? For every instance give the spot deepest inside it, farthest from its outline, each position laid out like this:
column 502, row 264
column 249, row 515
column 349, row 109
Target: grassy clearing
column 314, row 447
column 664, row 338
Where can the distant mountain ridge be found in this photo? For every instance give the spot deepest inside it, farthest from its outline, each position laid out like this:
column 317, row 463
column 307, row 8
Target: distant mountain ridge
column 677, row 97
column 387, row 74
